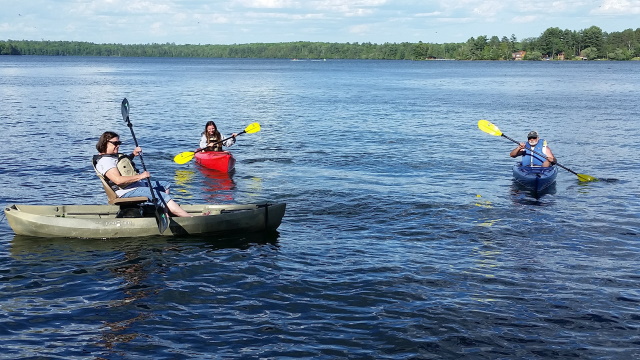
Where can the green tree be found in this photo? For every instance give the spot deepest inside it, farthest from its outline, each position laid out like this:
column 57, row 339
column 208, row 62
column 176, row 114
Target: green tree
column 589, row 53
column 619, row 54
column 593, row 38
column 533, row 55
column 420, row 51
column 8, row 49
column 550, row 42
column 591, row 42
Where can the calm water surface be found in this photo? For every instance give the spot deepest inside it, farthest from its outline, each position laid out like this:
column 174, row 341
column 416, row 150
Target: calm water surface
column 404, row 236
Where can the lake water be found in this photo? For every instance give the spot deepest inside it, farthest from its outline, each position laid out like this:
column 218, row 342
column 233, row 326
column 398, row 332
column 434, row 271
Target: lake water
column 404, row 236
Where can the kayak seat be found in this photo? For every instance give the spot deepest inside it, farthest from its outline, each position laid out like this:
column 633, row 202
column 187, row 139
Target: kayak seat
column 113, row 199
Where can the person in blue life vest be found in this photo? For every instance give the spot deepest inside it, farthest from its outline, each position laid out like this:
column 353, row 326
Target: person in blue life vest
column 122, row 176
column 529, row 157
column 211, row 138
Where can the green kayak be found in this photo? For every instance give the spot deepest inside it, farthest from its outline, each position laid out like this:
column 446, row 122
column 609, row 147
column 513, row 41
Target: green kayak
column 108, row 221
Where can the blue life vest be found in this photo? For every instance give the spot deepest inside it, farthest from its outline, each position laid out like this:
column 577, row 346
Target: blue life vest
column 531, row 159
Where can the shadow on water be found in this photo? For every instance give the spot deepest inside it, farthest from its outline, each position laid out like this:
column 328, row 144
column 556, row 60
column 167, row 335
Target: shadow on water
column 526, row 196
column 608, row 180
column 30, row 247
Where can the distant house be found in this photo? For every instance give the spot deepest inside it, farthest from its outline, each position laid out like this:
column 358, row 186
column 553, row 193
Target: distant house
column 560, row 56
column 518, row 55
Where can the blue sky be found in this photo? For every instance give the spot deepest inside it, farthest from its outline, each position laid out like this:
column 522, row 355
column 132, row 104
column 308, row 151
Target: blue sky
column 265, row 21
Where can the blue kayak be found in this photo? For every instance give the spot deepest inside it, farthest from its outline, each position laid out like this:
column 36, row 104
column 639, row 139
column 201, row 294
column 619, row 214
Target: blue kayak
column 535, row 178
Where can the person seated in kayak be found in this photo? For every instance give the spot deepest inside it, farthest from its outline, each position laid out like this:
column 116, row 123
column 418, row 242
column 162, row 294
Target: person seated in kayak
column 529, row 157
column 122, row 176
column 211, row 139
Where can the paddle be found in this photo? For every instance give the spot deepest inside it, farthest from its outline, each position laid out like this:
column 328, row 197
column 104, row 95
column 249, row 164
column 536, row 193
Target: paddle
column 161, row 216
column 491, row 129
column 185, row 157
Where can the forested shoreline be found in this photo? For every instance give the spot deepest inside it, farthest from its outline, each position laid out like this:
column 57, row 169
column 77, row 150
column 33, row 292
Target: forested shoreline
column 553, row 44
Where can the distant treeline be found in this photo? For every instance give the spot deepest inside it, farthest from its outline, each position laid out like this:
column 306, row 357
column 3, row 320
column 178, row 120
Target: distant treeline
column 587, row 44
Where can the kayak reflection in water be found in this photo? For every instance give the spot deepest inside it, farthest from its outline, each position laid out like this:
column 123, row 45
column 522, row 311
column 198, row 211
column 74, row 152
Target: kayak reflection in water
column 122, row 176
column 211, row 139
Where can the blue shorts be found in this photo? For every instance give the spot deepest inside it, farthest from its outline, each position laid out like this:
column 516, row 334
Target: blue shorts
column 159, row 188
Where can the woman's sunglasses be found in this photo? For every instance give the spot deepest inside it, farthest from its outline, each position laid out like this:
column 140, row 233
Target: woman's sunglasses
column 116, row 143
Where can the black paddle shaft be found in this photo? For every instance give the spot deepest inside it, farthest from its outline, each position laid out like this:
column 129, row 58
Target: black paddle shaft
column 125, row 115
column 161, row 215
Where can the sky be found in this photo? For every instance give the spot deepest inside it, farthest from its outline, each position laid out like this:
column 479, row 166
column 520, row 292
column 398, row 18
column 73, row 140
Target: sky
column 275, row 21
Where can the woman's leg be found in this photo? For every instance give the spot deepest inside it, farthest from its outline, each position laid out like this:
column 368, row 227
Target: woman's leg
column 164, row 199
column 176, row 209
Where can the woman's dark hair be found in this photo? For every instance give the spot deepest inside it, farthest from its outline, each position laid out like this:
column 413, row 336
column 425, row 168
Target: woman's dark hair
column 216, row 133
column 101, row 146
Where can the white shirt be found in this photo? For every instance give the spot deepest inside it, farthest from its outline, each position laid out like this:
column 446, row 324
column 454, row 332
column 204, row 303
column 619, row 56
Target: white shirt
column 107, row 163
column 204, row 142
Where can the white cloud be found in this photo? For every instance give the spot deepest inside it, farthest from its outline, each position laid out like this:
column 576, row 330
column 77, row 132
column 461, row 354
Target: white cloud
column 259, row 17
column 524, row 19
column 488, row 8
column 431, row 14
column 460, row 20
column 267, row 4
column 618, row 7
column 359, row 29
column 243, row 21
column 212, row 18
column 158, row 28
column 347, row 7
column 121, row 7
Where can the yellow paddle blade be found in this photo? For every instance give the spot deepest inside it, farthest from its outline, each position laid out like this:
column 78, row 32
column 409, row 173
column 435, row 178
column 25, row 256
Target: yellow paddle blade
column 252, row 128
column 584, row 177
column 184, row 157
column 489, row 128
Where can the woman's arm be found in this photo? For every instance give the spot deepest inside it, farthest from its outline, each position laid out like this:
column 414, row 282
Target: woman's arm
column 123, row 181
column 231, row 140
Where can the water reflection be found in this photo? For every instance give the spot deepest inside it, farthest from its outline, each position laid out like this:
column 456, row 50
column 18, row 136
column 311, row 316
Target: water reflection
column 133, row 274
column 120, row 283
column 584, row 187
column 183, row 179
column 524, row 195
column 218, row 185
column 38, row 249
column 485, row 204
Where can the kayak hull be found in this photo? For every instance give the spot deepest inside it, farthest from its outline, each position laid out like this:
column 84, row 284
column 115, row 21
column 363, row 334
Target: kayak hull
column 216, row 160
column 103, row 221
column 537, row 179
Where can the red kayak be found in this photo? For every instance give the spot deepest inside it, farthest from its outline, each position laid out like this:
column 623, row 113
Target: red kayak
column 216, row 160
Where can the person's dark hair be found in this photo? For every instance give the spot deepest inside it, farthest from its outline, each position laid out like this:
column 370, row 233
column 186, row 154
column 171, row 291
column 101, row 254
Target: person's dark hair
column 101, row 146
column 216, row 134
